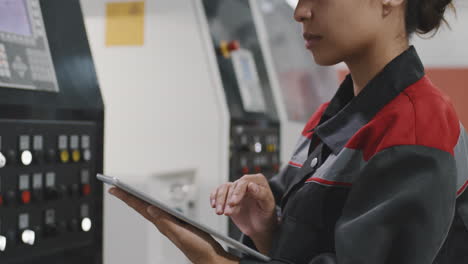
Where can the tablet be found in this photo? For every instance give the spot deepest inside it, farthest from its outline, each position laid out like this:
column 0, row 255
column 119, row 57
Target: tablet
column 143, row 196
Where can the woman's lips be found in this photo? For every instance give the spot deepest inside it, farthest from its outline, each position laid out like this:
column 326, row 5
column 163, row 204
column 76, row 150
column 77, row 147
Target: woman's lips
column 311, row 40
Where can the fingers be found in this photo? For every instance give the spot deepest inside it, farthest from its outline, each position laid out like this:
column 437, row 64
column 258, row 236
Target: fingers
column 238, row 192
column 221, row 196
column 135, row 203
column 164, row 222
column 226, row 198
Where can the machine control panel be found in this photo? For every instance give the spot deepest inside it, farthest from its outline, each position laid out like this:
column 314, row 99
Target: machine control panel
column 254, row 150
column 46, row 186
column 25, row 58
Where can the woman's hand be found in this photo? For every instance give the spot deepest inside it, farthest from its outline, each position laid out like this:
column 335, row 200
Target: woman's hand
column 251, row 205
column 198, row 246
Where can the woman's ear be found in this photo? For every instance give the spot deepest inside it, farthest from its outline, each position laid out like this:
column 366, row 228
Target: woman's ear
column 389, row 5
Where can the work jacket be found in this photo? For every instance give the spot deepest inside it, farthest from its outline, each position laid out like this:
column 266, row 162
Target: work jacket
column 377, row 178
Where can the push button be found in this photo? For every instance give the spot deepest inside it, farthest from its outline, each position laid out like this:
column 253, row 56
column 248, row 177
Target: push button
column 314, row 162
column 24, row 187
column 87, row 155
column 3, row 243
column 86, row 189
column 64, row 156
column 86, row 224
column 25, row 197
column 28, row 237
column 76, row 156
column 26, row 158
column 2, row 160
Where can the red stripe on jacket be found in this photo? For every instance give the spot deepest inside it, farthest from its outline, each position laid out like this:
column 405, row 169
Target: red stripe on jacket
column 420, row 115
column 314, row 120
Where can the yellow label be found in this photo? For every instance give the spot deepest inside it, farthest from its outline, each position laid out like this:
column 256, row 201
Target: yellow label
column 125, row 24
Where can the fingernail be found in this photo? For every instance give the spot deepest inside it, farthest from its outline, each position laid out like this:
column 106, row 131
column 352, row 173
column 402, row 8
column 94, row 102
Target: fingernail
column 254, row 188
column 153, row 212
column 213, row 203
column 219, row 209
column 227, row 210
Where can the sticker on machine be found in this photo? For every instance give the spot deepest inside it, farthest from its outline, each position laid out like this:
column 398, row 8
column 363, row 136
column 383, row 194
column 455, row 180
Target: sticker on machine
column 249, row 83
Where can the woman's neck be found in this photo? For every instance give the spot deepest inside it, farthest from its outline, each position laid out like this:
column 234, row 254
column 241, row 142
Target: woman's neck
column 366, row 65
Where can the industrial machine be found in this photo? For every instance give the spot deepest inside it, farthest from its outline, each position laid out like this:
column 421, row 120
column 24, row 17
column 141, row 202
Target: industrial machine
column 255, row 128
column 51, row 134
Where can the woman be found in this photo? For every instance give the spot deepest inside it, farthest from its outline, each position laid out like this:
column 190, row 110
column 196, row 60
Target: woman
column 378, row 174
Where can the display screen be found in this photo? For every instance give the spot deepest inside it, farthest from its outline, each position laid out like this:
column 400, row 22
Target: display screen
column 250, row 88
column 14, row 17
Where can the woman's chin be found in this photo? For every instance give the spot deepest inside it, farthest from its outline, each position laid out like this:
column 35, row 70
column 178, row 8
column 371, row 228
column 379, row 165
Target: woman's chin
column 325, row 58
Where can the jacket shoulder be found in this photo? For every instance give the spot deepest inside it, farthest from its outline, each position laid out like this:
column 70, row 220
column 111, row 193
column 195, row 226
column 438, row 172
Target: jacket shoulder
column 421, row 115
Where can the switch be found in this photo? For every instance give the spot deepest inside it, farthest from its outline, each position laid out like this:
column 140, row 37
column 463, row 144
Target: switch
column 3, row 243
column 37, row 186
column 38, row 144
column 86, row 224
column 24, row 186
column 245, row 170
column 63, row 148
column 86, row 189
column 28, row 237
column 26, row 158
column 85, row 183
column 64, row 156
column 87, row 155
column 49, row 220
column 76, row 156
column 2, row 160
column 25, row 197
column 24, row 147
column 51, row 192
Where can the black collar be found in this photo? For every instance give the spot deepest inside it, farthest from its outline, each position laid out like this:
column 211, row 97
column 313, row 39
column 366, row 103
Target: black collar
column 347, row 113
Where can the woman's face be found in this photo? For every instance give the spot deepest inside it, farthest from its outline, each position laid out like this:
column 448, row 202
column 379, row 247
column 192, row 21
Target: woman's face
column 338, row 30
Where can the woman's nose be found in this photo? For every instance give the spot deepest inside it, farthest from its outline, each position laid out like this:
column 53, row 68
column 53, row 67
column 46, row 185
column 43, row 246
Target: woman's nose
column 302, row 12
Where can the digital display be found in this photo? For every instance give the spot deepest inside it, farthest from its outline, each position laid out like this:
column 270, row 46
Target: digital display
column 14, row 17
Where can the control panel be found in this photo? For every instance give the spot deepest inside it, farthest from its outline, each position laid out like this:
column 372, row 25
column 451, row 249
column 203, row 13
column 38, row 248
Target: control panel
column 254, row 150
column 46, row 186
column 25, row 57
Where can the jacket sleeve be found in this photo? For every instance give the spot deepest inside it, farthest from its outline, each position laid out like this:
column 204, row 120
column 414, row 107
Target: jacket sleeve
column 399, row 209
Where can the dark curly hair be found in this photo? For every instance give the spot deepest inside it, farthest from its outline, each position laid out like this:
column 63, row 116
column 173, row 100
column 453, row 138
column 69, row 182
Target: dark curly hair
column 424, row 16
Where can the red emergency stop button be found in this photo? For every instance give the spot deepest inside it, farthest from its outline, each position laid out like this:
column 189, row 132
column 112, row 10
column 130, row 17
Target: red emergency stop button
column 1, row 200
column 86, row 189
column 233, row 46
column 245, row 170
column 26, row 197
column 257, row 169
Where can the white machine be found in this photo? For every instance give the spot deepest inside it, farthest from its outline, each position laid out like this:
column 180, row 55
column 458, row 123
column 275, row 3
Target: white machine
column 193, row 107
column 299, row 84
